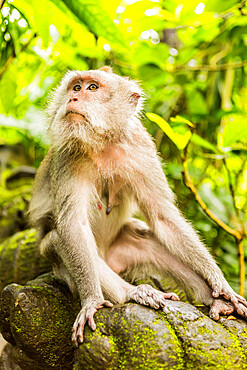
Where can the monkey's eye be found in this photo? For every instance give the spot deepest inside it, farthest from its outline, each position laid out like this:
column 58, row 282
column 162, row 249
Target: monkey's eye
column 77, row 88
column 92, row 87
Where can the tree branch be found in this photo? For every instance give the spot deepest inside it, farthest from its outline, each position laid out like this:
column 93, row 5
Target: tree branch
column 2, row 4
column 239, row 235
column 207, row 67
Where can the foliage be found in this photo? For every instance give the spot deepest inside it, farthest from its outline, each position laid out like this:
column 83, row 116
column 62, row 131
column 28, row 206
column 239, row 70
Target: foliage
column 191, row 59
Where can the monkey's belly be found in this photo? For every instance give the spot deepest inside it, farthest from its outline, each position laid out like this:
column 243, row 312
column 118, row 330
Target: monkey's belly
column 105, row 226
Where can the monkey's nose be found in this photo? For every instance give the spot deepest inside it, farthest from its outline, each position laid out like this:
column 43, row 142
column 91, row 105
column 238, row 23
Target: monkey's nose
column 74, row 99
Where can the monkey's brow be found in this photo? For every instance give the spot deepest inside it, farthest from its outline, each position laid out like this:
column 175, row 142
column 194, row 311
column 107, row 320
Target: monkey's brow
column 82, row 79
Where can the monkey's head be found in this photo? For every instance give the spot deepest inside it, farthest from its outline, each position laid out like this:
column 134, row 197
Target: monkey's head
column 93, row 107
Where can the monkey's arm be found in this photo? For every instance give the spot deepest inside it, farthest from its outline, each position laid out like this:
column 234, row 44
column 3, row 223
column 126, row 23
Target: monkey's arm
column 76, row 247
column 176, row 234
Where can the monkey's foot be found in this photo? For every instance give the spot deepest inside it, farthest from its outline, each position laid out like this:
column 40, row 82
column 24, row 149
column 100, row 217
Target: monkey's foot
column 228, row 293
column 148, row 296
column 222, row 307
column 86, row 315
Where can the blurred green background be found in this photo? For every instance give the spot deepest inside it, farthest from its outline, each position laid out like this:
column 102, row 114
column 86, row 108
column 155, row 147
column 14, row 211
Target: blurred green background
column 191, row 60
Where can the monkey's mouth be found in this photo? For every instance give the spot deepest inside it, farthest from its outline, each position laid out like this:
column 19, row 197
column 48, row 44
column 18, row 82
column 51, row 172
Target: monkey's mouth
column 74, row 112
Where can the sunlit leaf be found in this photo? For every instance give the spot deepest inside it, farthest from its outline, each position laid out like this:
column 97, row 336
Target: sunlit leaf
column 182, row 120
column 180, row 140
column 38, row 16
column 8, row 86
column 11, row 135
column 235, row 129
column 198, row 140
column 96, row 18
column 196, row 103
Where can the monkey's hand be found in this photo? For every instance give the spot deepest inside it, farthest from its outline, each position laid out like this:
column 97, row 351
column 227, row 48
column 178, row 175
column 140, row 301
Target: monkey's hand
column 223, row 307
column 86, row 315
column 148, row 296
column 225, row 291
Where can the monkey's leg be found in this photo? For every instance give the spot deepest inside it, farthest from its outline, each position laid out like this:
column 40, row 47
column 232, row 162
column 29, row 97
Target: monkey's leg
column 177, row 235
column 119, row 291
column 136, row 245
column 50, row 247
column 113, row 286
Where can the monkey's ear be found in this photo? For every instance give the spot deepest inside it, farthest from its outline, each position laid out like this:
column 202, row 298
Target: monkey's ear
column 135, row 97
column 107, row 69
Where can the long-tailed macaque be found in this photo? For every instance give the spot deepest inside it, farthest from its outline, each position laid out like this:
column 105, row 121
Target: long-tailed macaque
column 102, row 167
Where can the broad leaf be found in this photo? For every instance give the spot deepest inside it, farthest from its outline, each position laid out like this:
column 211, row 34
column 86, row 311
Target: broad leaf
column 198, row 140
column 235, row 130
column 182, row 120
column 96, row 18
column 180, row 140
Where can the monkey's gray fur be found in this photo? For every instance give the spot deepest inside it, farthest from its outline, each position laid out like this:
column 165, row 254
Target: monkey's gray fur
column 101, row 168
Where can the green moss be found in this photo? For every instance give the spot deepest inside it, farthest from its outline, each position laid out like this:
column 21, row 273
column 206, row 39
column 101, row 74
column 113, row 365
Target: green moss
column 219, row 358
column 142, row 350
column 180, row 351
column 44, row 334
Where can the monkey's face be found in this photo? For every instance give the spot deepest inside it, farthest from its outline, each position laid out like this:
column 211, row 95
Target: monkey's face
column 88, row 96
column 89, row 103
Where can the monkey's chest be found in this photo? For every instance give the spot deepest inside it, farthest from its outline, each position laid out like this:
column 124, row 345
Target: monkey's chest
column 109, row 211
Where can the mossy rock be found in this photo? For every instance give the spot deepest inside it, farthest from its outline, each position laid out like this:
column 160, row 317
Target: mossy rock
column 37, row 319
column 13, row 210
column 20, row 259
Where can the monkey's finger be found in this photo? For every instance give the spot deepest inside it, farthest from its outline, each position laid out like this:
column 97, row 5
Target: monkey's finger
column 172, row 296
column 220, row 307
column 108, row 304
column 216, row 292
column 233, row 299
column 214, row 314
column 77, row 335
column 154, row 302
column 228, row 297
column 162, row 303
column 240, row 311
column 244, row 310
column 241, row 300
column 91, row 322
column 80, row 330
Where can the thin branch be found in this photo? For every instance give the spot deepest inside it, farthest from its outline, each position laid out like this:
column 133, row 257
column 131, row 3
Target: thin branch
column 207, row 67
column 241, row 267
column 239, row 235
column 241, row 6
column 190, row 185
column 232, row 191
column 239, row 242
column 188, row 182
column 2, row 4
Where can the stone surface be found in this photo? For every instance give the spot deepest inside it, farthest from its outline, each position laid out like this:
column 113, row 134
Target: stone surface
column 36, row 319
column 20, row 259
column 13, row 210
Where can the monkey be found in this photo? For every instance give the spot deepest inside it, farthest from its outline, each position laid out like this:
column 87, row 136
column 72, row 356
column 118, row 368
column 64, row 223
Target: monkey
column 102, row 168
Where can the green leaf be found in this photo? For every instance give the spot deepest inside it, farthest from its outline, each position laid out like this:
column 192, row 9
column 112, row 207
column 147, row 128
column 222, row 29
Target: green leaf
column 196, row 102
column 8, row 87
column 38, row 16
column 96, row 18
column 11, row 135
column 180, row 140
column 235, row 130
column 198, row 140
column 181, row 120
